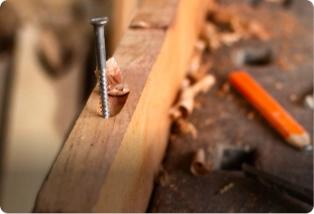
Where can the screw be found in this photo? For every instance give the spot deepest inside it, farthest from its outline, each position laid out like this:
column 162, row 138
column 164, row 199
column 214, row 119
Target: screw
column 99, row 29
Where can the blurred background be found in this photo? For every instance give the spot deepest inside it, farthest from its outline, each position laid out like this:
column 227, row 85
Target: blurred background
column 47, row 64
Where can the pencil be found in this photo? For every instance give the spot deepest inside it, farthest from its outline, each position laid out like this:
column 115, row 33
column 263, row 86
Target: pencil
column 273, row 112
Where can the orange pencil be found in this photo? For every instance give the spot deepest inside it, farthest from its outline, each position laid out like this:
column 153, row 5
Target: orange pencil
column 275, row 114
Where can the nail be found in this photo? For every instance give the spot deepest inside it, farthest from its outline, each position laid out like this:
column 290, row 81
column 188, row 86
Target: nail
column 99, row 29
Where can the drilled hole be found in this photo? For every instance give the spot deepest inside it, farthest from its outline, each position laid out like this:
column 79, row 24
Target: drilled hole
column 253, row 57
column 232, row 158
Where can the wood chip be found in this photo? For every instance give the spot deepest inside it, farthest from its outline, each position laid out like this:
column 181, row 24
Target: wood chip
column 225, row 188
column 199, row 166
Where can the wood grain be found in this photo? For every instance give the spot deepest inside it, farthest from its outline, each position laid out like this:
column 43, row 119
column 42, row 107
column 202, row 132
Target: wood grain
column 108, row 165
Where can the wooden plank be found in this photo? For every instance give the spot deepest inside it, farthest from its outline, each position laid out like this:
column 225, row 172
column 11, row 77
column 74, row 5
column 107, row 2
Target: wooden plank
column 108, row 165
column 122, row 13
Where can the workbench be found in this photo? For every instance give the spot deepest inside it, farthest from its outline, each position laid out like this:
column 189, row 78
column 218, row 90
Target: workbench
column 225, row 121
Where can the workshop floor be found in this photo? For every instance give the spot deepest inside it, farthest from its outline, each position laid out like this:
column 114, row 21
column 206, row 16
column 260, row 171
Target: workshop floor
column 225, row 120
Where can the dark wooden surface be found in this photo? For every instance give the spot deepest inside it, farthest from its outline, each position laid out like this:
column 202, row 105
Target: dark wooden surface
column 222, row 122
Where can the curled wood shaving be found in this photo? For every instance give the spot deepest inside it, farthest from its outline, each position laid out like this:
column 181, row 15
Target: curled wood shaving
column 203, row 85
column 199, row 166
column 184, row 107
column 119, row 90
column 113, row 73
column 114, row 78
column 227, row 27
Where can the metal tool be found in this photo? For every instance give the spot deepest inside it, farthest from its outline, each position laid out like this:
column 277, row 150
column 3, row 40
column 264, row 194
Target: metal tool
column 99, row 29
column 279, row 184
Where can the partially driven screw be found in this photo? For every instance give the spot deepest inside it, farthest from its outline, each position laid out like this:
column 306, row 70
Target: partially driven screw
column 99, row 29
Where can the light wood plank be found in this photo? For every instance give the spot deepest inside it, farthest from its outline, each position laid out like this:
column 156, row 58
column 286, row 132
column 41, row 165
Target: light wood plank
column 108, row 165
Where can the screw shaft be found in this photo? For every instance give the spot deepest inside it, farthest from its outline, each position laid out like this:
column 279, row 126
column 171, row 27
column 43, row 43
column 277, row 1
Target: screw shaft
column 99, row 30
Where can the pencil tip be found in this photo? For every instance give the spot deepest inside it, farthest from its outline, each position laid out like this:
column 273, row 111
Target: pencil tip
column 301, row 141
column 308, row 148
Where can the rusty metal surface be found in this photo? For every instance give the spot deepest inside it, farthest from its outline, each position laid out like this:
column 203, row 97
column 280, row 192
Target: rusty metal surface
column 223, row 121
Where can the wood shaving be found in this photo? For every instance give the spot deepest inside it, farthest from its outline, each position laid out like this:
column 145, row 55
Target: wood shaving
column 113, row 73
column 186, row 127
column 225, row 26
column 199, row 166
column 184, row 107
column 114, row 78
column 225, row 188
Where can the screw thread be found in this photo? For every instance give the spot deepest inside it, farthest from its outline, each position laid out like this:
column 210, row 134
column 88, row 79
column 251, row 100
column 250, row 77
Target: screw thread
column 103, row 86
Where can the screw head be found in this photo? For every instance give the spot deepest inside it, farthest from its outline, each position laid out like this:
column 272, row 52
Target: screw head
column 98, row 20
